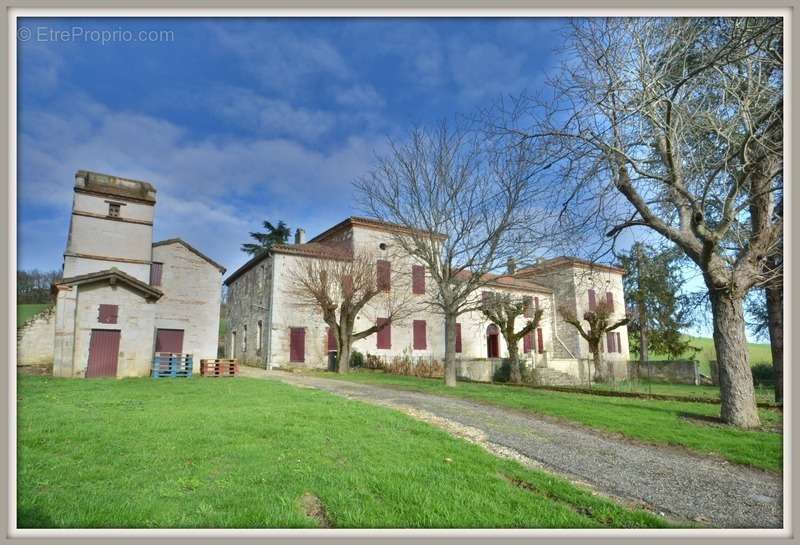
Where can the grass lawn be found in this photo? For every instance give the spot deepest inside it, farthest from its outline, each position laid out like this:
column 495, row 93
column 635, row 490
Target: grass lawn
column 25, row 312
column 765, row 394
column 249, row 453
column 663, row 422
column 759, row 353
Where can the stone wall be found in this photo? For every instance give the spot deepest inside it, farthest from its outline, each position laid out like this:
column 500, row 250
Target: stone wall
column 675, row 371
column 35, row 339
column 248, row 302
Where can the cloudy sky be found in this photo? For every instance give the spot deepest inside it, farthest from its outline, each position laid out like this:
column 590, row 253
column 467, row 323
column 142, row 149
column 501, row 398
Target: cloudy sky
column 240, row 120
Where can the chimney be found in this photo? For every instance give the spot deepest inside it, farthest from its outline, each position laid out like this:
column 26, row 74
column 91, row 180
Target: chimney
column 300, row 236
column 511, row 264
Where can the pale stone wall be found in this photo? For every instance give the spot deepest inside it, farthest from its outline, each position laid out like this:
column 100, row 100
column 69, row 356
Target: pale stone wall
column 94, row 204
column 191, row 299
column 77, row 266
column 601, row 282
column 64, row 343
column 35, row 339
column 248, row 302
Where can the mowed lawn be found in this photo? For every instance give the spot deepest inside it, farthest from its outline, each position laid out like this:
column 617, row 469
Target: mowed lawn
column 758, row 352
column 28, row 311
column 249, row 453
column 764, row 394
column 683, row 424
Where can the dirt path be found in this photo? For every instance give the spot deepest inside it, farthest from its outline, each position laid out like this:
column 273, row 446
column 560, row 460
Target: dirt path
column 679, row 484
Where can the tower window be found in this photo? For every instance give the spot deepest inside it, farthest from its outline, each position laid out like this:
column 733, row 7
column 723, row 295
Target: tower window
column 113, row 209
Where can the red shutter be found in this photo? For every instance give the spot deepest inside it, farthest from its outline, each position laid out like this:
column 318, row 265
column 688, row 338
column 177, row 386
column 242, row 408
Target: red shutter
column 155, row 273
column 384, row 275
column 107, row 314
column 619, row 342
column 347, row 286
column 384, row 333
column 297, row 344
column 418, row 279
column 539, row 340
column 610, row 301
column 592, row 300
column 458, row 338
column 527, row 343
column 610, row 342
column 420, row 339
column 331, row 340
column 527, row 302
column 169, row 340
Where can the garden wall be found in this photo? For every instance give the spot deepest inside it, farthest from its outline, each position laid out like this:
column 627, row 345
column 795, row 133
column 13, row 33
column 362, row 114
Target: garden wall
column 673, row 371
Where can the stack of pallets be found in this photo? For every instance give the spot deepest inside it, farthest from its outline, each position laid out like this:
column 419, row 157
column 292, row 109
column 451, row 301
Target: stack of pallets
column 168, row 364
column 219, row 368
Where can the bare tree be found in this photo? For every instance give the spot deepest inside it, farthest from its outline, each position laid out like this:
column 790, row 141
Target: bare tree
column 598, row 322
column 503, row 309
column 464, row 203
column 341, row 289
column 684, row 119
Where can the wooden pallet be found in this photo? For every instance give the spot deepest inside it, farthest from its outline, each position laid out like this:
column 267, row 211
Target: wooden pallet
column 219, row 368
column 167, row 364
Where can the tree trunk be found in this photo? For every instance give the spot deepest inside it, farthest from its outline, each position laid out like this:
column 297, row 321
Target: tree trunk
column 344, row 343
column 774, row 292
column 513, row 361
column 738, row 401
column 450, row 349
column 597, row 359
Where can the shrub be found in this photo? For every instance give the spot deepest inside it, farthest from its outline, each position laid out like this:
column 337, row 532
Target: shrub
column 503, row 373
column 356, row 359
column 763, row 373
column 374, row 362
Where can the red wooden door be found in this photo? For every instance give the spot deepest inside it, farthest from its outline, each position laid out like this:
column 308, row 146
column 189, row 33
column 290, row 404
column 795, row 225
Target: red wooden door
column 169, row 340
column 103, row 353
column 492, row 341
column 297, row 344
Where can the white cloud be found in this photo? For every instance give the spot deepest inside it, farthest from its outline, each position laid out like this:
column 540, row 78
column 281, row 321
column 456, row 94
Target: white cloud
column 360, row 96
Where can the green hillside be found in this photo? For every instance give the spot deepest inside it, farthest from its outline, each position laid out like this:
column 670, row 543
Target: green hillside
column 759, row 353
column 26, row 312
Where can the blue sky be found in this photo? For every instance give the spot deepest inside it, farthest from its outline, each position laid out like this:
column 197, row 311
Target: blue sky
column 240, row 120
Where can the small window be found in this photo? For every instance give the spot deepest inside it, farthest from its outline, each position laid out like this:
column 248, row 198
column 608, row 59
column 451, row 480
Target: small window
column 458, row 338
column 384, row 275
column 107, row 314
column 418, row 279
column 113, row 209
column 592, row 300
column 244, row 340
column 420, row 335
column 155, row 273
column 527, row 302
column 384, row 337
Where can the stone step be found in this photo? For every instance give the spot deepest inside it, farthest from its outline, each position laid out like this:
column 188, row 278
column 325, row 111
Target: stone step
column 552, row 377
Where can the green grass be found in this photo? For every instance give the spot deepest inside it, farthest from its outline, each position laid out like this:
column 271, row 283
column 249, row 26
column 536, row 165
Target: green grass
column 26, row 312
column 660, row 422
column 759, row 353
column 241, row 453
column 764, row 394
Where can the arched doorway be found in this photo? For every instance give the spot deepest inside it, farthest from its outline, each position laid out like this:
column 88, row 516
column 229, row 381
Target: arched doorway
column 492, row 341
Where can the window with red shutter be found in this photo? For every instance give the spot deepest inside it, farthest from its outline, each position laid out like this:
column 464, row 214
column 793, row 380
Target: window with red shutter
column 458, row 338
column 527, row 303
column 418, row 279
column 384, row 333
column 331, row 340
column 539, row 340
column 610, row 300
column 527, row 343
column 420, row 335
column 347, row 286
column 155, row 273
column 297, row 344
column 107, row 314
column 592, row 300
column 384, row 275
column 610, row 342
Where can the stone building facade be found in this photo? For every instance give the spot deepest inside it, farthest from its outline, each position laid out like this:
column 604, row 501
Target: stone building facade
column 123, row 297
column 267, row 322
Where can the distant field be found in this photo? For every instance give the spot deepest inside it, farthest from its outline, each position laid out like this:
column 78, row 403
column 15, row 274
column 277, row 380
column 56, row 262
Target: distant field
column 25, row 312
column 759, row 353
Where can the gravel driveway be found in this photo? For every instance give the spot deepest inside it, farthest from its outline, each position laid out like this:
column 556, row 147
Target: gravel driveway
column 707, row 490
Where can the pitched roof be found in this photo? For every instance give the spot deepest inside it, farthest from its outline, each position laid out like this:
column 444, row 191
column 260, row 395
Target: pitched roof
column 371, row 223
column 191, row 249
column 309, row 249
column 567, row 261
column 112, row 275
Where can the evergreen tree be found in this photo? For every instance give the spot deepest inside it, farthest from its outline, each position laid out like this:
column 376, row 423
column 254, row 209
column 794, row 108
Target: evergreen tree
column 274, row 234
column 657, row 310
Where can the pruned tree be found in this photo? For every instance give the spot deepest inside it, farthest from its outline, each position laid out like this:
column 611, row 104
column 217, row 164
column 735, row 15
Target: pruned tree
column 683, row 119
column 273, row 234
column 464, row 204
column 599, row 324
column 658, row 311
column 503, row 309
column 340, row 289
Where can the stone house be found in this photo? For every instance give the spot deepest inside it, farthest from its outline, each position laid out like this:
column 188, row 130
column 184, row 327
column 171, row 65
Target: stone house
column 122, row 296
column 268, row 328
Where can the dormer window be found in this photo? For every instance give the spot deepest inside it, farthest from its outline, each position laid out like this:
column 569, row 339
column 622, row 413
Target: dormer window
column 113, row 209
